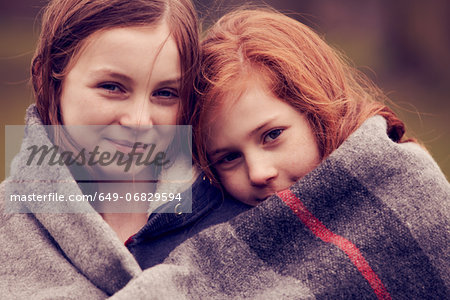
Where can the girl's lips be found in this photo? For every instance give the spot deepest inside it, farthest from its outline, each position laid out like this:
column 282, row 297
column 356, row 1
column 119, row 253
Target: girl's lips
column 126, row 146
column 264, row 198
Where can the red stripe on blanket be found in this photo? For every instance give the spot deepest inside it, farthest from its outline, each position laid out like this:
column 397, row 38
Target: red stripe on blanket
column 327, row 236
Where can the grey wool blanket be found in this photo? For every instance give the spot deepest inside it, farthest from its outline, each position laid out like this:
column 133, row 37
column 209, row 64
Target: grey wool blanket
column 51, row 255
column 371, row 222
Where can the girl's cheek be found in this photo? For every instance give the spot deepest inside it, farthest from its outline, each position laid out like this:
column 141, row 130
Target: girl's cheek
column 165, row 115
column 225, row 182
column 235, row 184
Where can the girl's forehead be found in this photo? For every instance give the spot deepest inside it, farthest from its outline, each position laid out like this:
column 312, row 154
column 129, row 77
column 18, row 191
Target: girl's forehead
column 245, row 82
column 97, row 36
column 224, row 101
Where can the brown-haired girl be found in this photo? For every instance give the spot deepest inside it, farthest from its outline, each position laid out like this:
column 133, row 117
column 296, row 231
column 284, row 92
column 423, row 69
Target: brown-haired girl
column 118, row 69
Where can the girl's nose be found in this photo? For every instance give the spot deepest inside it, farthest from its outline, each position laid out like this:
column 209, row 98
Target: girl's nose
column 136, row 113
column 261, row 171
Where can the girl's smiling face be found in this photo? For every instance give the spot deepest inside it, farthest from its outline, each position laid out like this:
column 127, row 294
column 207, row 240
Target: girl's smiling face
column 128, row 77
column 260, row 145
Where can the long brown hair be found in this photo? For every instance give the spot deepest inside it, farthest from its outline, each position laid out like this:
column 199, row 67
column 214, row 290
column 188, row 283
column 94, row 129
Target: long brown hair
column 67, row 23
column 298, row 67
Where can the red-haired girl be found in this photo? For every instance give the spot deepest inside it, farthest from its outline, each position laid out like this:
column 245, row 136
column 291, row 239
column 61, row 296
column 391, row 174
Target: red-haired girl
column 346, row 206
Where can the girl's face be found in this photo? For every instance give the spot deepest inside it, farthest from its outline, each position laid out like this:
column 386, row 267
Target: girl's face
column 127, row 77
column 124, row 76
column 260, row 145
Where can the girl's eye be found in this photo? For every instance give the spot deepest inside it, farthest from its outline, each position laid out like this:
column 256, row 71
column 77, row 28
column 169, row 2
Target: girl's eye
column 166, row 93
column 228, row 158
column 272, row 135
column 111, row 87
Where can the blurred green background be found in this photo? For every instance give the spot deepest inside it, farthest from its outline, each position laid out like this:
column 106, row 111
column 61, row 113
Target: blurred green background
column 404, row 46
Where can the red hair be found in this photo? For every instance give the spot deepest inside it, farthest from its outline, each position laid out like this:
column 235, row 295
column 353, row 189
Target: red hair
column 298, row 67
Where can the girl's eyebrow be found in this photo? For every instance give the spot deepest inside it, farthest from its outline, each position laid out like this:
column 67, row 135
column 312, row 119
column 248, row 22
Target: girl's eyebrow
column 111, row 73
column 266, row 123
column 217, row 151
column 170, row 82
column 117, row 75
